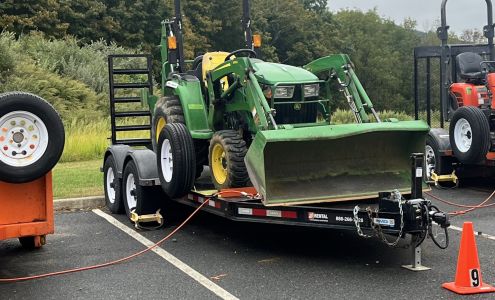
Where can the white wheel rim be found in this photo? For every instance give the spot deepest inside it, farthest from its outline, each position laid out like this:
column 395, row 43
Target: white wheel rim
column 167, row 162
column 430, row 160
column 463, row 135
column 23, row 138
column 110, row 186
column 130, row 188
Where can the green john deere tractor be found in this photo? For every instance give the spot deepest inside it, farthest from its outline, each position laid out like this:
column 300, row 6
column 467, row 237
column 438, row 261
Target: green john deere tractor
column 268, row 125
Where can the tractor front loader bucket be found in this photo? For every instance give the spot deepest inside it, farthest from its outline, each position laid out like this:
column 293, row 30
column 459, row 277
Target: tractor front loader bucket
column 334, row 162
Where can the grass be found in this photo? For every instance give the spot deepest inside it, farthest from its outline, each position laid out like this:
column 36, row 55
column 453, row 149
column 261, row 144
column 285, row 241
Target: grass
column 89, row 140
column 78, row 179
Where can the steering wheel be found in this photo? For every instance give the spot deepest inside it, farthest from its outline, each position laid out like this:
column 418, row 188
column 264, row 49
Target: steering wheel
column 249, row 52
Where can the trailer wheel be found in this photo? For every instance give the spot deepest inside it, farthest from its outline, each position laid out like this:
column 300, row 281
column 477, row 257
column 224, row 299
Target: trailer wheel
column 176, row 160
column 32, row 137
column 226, row 159
column 169, row 110
column 141, row 199
column 434, row 161
column 113, row 187
column 469, row 134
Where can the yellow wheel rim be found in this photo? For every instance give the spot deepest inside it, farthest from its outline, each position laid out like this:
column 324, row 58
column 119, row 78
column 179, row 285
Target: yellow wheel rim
column 219, row 164
column 159, row 126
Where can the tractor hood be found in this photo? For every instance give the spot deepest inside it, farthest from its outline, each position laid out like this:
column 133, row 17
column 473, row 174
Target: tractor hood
column 272, row 73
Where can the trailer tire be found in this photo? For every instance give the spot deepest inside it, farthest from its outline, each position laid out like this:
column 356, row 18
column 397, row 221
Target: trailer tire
column 469, row 134
column 142, row 199
column 176, row 160
column 226, row 158
column 169, row 110
column 32, row 137
column 112, row 186
column 434, row 162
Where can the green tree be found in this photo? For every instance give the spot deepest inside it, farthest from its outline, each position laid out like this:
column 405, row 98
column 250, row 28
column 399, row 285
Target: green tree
column 27, row 15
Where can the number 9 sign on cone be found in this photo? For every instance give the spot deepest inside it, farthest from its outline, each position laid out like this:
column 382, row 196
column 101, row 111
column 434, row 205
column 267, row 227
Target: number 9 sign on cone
column 468, row 278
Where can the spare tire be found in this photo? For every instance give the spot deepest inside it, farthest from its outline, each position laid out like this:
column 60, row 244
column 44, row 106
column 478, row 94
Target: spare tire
column 469, row 134
column 32, row 137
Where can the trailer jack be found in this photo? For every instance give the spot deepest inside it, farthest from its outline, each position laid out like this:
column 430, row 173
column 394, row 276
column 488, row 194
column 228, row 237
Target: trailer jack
column 139, row 219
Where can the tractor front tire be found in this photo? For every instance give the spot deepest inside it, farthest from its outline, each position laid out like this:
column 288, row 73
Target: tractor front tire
column 226, row 158
column 176, row 160
column 32, row 137
column 469, row 134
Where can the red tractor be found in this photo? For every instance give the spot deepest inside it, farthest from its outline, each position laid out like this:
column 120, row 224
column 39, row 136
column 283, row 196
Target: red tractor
column 467, row 103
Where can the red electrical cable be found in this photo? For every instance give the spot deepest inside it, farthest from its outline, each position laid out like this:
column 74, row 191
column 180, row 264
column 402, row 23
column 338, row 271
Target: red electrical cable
column 470, row 207
column 114, row 262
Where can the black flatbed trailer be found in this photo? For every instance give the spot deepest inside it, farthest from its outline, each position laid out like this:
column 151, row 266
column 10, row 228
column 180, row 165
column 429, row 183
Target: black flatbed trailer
column 389, row 213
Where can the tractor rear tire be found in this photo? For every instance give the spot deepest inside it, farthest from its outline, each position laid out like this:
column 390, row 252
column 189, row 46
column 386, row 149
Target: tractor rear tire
column 469, row 135
column 112, row 186
column 169, row 110
column 434, row 162
column 32, row 137
column 176, row 160
column 142, row 199
column 226, row 158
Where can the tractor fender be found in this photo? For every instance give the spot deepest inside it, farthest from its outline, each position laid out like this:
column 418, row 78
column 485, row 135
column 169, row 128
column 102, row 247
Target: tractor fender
column 441, row 136
column 193, row 106
column 147, row 169
column 118, row 152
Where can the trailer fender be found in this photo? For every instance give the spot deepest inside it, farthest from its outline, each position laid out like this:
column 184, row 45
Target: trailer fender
column 119, row 153
column 145, row 161
column 441, row 136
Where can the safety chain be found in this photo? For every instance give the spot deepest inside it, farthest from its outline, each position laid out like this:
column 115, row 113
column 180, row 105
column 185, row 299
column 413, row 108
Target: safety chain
column 377, row 229
column 356, row 222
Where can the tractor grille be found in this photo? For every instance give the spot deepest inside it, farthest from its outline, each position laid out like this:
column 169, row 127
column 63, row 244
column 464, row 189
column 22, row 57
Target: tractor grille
column 296, row 113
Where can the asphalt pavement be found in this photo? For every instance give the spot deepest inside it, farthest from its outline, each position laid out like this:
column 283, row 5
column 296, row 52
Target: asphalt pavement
column 249, row 261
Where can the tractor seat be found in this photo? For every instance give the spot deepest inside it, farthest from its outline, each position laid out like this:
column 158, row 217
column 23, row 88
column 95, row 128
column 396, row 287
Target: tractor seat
column 469, row 67
column 211, row 60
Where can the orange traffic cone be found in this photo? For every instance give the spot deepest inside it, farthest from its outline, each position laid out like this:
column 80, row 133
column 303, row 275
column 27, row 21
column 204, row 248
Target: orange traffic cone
column 468, row 278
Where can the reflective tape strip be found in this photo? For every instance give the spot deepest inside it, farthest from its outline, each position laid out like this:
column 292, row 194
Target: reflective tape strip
column 259, row 212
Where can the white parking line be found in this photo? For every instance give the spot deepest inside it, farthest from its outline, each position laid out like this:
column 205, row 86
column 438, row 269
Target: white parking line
column 204, row 281
column 486, row 236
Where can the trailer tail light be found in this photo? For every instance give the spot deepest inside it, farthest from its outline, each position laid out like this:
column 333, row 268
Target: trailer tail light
column 172, row 42
column 257, row 40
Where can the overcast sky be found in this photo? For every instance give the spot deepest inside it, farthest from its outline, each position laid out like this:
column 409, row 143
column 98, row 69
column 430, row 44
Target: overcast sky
column 461, row 14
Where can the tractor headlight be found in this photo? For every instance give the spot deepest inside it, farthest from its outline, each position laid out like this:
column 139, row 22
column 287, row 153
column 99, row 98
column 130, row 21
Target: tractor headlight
column 311, row 90
column 284, row 92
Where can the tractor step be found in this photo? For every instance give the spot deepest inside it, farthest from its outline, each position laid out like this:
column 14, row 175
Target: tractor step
column 127, row 91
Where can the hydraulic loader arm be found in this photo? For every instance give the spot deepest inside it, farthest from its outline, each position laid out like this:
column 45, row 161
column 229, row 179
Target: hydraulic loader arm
column 241, row 71
column 340, row 68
